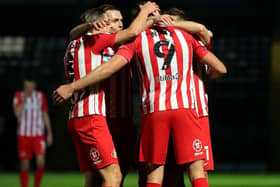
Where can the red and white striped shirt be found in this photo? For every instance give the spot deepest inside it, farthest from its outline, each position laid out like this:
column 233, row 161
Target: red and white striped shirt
column 82, row 56
column 165, row 68
column 201, row 96
column 199, row 79
column 30, row 122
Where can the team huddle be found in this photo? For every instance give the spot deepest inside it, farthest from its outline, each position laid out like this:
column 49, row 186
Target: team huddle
column 172, row 57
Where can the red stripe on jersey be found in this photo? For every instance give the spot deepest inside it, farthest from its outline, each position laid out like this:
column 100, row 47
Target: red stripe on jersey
column 144, row 76
column 101, row 99
column 153, row 99
column 190, row 98
column 87, row 55
column 101, row 95
column 76, row 61
column 25, row 124
column 44, row 104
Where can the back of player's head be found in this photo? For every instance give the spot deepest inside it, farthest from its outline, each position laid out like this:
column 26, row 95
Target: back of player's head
column 137, row 8
column 29, row 77
column 180, row 14
column 30, row 73
column 106, row 7
column 92, row 15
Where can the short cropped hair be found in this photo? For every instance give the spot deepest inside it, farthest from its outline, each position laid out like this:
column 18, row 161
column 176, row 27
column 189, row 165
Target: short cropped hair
column 176, row 12
column 106, row 7
column 92, row 15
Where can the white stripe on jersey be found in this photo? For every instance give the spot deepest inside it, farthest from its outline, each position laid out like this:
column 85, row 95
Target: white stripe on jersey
column 149, row 70
column 22, row 119
column 82, row 73
column 96, row 61
column 34, row 113
column 28, row 120
column 202, row 98
column 185, row 53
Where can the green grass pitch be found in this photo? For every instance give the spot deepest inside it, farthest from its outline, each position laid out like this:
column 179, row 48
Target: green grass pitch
column 215, row 180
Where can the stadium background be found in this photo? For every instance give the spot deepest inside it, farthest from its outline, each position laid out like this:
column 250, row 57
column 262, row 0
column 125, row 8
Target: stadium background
column 244, row 104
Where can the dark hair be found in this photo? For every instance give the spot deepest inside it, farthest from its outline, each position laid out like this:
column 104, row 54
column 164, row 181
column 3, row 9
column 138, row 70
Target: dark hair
column 30, row 76
column 136, row 9
column 176, row 12
column 91, row 15
column 105, row 7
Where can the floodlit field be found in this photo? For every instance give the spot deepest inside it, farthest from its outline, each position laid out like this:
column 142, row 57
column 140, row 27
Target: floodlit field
column 216, row 180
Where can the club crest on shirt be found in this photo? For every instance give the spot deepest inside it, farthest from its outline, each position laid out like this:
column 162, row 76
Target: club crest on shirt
column 197, row 147
column 95, row 155
column 107, row 54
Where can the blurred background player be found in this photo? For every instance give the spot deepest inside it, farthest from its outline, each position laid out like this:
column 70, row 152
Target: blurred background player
column 84, row 55
column 31, row 110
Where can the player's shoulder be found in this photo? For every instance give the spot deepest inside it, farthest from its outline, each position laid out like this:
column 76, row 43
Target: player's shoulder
column 184, row 32
column 39, row 92
column 17, row 93
column 101, row 35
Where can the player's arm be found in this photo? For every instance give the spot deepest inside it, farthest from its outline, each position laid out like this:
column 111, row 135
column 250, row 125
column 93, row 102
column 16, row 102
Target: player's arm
column 47, row 122
column 19, row 108
column 81, row 29
column 217, row 67
column 19, row 102
column 140, row 23
column 102, row 72
column 212, row 74
column 195, row 28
